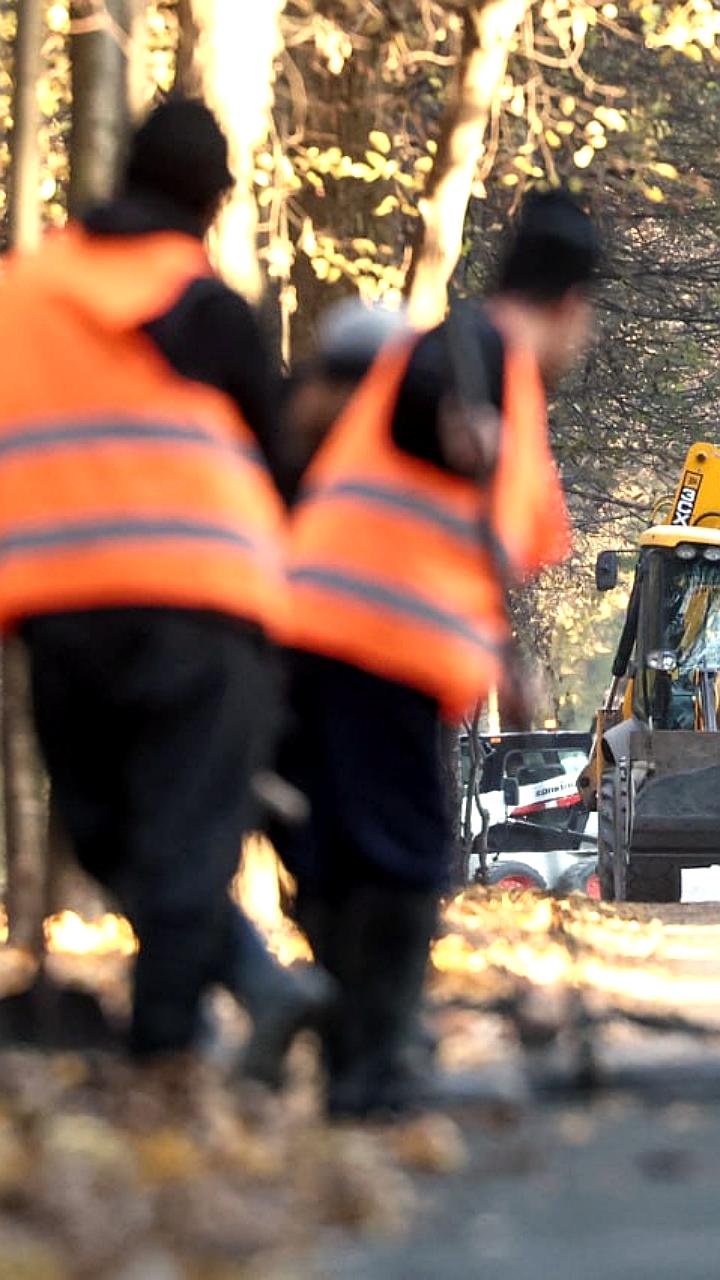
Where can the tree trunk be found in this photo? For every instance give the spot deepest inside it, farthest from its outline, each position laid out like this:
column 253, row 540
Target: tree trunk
column 25, row 800
column 489, row 31
column 235, row 51
column 188, row 75
column 23, row 782
column 100, row 111
column 23, row 196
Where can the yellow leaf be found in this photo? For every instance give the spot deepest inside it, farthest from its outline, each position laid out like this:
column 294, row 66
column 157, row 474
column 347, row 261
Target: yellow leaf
column 552, row 138
column 609, row 11
column 653, row 193
column 510, row 180
column 432, row 146
column 364, row 246
column 611, row 118
column 598, row 141
column 692, row 52
column 58, row 18
column 308, row 240
column 379, row 141
column 583, row 157
column 526, row 166
column 594, row 128
column 375, row 159
column 517, row 102
column 579, row 25
column 567, row 105
column 321, row 267
column 423, row 164
column 565, row 126
column 386, row 206
column 665, row 170
column 364, row 172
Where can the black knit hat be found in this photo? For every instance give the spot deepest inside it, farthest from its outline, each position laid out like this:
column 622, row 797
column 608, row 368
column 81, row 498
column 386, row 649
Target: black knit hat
column 554, row 248
column 180, row 151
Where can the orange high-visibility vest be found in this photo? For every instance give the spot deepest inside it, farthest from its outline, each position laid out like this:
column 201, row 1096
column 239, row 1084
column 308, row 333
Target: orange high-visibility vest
column 121, row 482
column 390, row 568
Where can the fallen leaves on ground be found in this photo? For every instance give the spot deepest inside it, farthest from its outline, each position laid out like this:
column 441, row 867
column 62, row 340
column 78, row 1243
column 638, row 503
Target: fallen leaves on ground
column 110, row 1171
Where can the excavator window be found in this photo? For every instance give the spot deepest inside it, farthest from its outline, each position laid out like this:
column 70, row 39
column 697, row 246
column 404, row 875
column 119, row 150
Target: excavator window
column 678, row 644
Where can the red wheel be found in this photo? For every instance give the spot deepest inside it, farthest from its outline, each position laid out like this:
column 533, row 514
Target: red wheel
column 581, row 878
column 517, row 876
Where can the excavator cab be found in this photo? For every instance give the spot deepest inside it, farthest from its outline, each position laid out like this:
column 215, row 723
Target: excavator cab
column 657, row 757
column 677, row 652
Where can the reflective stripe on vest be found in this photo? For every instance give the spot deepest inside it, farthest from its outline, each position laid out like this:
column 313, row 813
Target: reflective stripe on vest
column 394, row 600
column 31, row 439
column 403, row 501
column 94, row 532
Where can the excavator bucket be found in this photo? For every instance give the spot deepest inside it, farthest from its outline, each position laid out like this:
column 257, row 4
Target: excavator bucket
column 676, row 807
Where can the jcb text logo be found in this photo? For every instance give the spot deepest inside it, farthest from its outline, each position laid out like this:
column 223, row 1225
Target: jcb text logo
column 687, row 500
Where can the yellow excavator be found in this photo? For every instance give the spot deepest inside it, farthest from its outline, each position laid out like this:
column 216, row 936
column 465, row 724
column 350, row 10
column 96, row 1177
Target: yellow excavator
column 654, row 775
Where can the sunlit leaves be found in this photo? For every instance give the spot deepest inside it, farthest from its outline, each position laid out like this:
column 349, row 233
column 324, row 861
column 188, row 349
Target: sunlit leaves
column 387, row 205
column 380, row 141
column 611, row 118
column 58, row 18
column 583, row 156
column 332, row 43
column 687, row 28
column 654, row 193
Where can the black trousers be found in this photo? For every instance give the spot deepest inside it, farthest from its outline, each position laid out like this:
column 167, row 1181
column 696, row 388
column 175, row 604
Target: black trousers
column 152, row 723
column 366, row 752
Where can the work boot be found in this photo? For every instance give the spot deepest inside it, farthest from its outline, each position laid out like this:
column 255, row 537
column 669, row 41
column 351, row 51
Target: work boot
column 383, row 941
column 281, row 1002
column 318, row 920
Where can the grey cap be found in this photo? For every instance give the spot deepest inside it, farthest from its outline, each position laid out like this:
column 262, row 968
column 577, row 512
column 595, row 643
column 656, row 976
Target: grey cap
column 352, row 332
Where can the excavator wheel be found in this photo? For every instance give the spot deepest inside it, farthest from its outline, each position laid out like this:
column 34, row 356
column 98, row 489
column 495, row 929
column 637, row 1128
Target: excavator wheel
column 607, row 837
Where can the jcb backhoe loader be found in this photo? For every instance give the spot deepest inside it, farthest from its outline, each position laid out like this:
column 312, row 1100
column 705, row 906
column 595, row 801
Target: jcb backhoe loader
column 655, row 770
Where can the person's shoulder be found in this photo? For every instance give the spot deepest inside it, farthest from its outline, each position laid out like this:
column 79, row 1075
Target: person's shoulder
column 213, row 294
column 473, row 318
column 220, row 308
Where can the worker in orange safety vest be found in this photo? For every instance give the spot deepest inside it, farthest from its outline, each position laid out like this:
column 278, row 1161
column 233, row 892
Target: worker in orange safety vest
column 140, row 556
column 420, row 507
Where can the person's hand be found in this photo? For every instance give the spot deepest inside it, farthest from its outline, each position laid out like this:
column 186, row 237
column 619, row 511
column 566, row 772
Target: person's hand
column 469, row 437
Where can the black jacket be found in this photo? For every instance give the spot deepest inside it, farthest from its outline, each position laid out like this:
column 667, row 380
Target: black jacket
column 210, row 334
